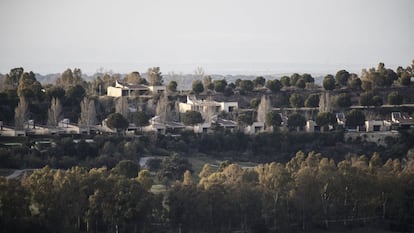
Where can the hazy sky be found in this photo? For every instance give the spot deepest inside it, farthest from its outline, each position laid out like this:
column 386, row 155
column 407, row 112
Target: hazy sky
column 228, row 36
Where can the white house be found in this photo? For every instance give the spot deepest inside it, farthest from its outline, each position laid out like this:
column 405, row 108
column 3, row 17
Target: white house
column 162, row 127
column 194, row 104
column 375, row 126
column 129, row 89
column 65, row 127
column 202, row 128
column 310, row 126
column 255, row 128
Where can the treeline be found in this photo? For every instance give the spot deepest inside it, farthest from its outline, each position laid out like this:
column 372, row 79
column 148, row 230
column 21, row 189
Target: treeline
column 78, row 200
column 308, row 192
column 105, row 150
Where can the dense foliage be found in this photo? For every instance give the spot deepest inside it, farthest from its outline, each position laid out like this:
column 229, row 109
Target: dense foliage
column 308, row 192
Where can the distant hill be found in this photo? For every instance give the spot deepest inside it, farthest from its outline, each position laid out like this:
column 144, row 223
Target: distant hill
column 48, row 78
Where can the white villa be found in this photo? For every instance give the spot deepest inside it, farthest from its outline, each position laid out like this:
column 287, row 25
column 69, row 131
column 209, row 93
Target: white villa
column 193, row 104
column 128, row 89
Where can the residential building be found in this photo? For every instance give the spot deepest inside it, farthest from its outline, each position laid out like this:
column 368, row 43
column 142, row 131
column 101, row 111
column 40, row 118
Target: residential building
column 130, row 90
column 194, row 104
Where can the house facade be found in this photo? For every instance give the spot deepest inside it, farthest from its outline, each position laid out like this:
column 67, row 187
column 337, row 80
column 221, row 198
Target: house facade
column 131, row 90
column 194, row 104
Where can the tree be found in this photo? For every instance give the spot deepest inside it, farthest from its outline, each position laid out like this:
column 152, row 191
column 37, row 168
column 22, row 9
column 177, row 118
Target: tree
column 343, row 100
column 144, row 178
column 220, row 85
column 126, row 168
column 192, row 118
column 324, row 119
column 394, row 98
column 377, row 100
column 341, row 78
column 135, row 78
column 308, row 78
column 14, row 209
column 390, row 76
column 365, row 99
column 274, row 85
column 273, row 119
column 75, row 94
column 69, row 79
column 88, row 112
column 155, row 76
column 264, row 107
column 187, row 178
column 245, row 119
column 172, row 86
column 312, row 101
column 208, row 83
column 246, row 85
column 301, row 83
column 29, row 87
column 117, row 121
column 163, row 109
column 296, row 121
column 254, row 103
column 405, row 78
column 56, row 92
column 173, row 168
column 259, row 81
column 355, row 83
column 329, row 82
column 294, row 78
column 199, row 73
column 12, row 79
column 296, row 100
column 355, row 118
column 368, row 99
column 21, row 113
column 140, row 118
column 55, row 112
column 285, row 81
column 366, row 85
column 122, row 106
column 198, row 86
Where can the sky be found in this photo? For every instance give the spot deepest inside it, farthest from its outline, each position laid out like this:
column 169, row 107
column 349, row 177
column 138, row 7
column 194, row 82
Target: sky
column 221, row 36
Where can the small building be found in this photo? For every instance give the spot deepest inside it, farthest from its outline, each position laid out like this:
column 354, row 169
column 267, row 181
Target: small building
column 402, row 120
column 157, row 89
column 202, row 128
column 127, row 89
column 156, row 125
column 34, row 129
column 311, row 126
column 375, row 126
column 256, row 127
column 132, row 90
column 226, row 124
column 65, row 127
